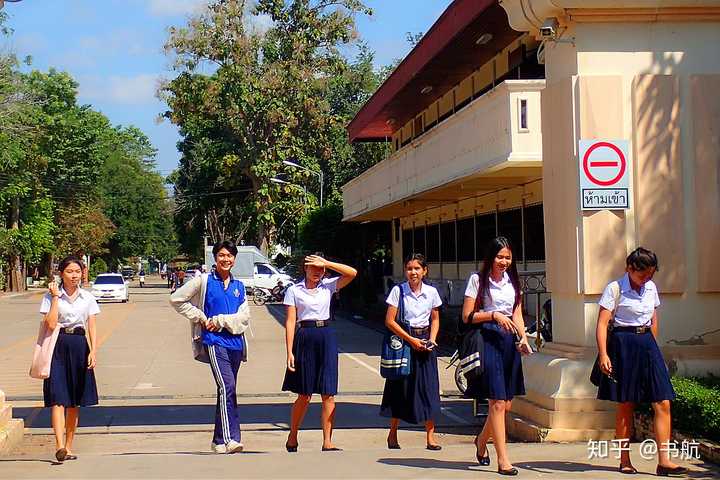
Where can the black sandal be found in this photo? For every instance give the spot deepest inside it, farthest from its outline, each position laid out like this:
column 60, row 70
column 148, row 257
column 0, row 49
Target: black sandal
column 61, row 455
column 483, row 461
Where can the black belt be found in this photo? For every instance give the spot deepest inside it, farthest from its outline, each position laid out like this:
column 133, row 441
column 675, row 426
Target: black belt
column 638, row 330
column 418, row 332
column 72, row 331
column 314, row 323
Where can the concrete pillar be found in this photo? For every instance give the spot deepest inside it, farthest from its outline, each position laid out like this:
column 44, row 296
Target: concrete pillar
column 646, row 72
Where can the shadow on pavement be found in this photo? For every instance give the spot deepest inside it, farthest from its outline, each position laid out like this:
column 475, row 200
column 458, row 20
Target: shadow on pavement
column 348, row 415
column 429, row 463
column 559, row 466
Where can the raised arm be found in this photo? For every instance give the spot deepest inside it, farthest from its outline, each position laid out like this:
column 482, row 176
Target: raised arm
column 51, row 317
column 347, row 273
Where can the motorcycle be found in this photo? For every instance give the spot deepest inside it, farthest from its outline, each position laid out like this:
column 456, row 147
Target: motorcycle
column 261, row 295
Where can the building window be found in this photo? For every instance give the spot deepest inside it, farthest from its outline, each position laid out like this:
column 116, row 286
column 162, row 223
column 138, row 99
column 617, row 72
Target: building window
column 465, row 240
column 486, row 231
column 523, row 115
column 534, row 233
column 447, row 242
column 407, row 242
column 419, row 246
column 433, row 243
column 510, row 227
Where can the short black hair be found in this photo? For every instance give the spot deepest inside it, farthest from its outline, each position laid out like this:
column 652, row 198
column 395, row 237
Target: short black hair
column 641, row 259
column 227, row 245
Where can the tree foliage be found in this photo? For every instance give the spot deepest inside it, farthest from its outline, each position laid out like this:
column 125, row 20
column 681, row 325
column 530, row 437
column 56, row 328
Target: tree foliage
column 265, row 101
column 70, row 182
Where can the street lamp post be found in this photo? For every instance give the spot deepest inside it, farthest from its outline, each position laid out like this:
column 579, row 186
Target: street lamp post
column 319, row 173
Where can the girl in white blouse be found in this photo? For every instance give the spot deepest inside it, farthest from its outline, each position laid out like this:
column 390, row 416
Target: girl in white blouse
column 312, row 353
column 493, row 304
column 633, row 365
column 414, row 398
column 71, row 383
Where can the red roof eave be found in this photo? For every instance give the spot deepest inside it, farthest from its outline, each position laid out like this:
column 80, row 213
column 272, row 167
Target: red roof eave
column 453, row 20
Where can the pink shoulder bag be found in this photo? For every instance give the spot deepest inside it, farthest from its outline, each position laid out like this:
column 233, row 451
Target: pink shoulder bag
column 44, row 347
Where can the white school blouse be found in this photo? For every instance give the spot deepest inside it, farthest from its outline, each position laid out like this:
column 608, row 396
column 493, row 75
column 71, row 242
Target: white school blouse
column 418, row 307
column 502, row 294
column 634, row 309
column 311, row 304
column 72, row 314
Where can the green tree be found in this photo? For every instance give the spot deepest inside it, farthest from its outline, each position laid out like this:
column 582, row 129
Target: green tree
column 264, row 103
column 134, row 198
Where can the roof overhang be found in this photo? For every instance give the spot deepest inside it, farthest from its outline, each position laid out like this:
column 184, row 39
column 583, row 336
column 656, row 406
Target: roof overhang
column 446, row 55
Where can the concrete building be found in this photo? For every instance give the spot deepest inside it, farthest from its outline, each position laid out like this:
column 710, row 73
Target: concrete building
column 485, row 117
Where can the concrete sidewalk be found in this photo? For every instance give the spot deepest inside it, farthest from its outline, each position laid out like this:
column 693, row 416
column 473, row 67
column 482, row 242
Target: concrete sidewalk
column 186, row 455
column 157, row 408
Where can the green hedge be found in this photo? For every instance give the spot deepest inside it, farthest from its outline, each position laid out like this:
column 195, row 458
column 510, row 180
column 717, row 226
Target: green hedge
column 696, row 410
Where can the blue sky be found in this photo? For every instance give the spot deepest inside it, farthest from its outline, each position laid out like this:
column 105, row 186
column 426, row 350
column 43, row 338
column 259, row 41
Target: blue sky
column 113, row 48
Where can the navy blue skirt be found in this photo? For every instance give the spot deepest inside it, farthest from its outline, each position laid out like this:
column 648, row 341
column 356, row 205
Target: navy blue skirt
column 502, row 377
column 639, row 369
column 316, row 362
column 70, row 384
column 416, row 397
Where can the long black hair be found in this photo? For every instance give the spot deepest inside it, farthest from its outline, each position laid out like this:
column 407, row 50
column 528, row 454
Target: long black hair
column 67, row 261
column 491, row 251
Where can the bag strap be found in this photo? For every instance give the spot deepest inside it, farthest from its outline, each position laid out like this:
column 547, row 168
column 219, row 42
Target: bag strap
column 400, row 316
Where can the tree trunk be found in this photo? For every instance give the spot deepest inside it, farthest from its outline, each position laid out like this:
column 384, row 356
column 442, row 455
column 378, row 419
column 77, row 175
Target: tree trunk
column 15, row 281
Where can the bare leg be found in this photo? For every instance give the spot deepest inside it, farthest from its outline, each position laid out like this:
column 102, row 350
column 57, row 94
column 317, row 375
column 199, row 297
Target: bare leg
column 663, row 427
column 623, row 429
column 328, row 419
column 430, row 431
column 71, row 422
column 496, row 417
column 297, row 414
column 58, row 423
column 483, row 437
column 392, row 438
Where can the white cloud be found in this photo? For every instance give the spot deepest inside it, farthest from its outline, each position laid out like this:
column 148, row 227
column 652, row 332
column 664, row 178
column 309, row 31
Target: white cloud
column 120, row 90
column 175, row 7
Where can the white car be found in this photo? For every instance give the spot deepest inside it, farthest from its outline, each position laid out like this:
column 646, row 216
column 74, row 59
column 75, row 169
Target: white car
column 110, row 287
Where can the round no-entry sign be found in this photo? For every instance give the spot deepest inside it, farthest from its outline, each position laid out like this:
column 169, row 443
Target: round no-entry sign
column 604, row 164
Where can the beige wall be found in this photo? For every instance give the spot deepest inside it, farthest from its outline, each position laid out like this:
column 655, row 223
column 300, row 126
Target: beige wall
column 481, row 137
column 473, row 84
column 655, row 84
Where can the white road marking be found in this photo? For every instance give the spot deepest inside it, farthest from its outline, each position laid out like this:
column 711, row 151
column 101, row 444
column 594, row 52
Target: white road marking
column 352, row 357
column 446, row 411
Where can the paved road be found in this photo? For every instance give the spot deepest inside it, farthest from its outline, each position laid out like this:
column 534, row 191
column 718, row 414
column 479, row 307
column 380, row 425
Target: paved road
column 157, row 405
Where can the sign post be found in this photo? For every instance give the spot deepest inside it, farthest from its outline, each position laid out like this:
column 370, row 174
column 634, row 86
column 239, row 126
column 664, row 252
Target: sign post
column 604, row 175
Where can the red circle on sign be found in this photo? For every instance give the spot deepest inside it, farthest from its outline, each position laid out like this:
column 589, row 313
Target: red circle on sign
column 586, row 167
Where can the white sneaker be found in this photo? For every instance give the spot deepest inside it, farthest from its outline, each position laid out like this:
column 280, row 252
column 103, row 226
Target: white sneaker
column 234, row 447
column 215, row 448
